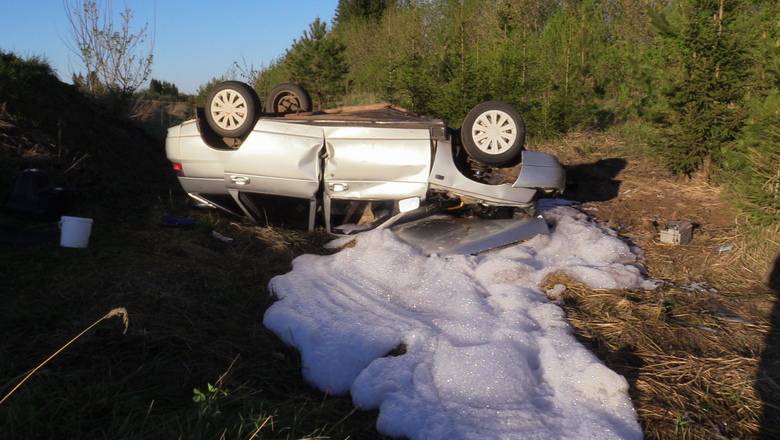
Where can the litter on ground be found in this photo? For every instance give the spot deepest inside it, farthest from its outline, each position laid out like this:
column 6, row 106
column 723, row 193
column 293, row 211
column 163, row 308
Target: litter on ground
column 221, row 237
column 176, row 221
column 725, row 248
column 676, row 232
column 485, row 353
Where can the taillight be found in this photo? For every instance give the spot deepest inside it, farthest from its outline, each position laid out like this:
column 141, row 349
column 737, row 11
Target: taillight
column 177, row 168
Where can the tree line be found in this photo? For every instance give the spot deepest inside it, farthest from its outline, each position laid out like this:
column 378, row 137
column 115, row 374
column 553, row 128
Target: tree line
column 698, row 80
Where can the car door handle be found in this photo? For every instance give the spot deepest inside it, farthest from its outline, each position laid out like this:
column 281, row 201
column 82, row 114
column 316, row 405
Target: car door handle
column 239, row 180
column 338, row 187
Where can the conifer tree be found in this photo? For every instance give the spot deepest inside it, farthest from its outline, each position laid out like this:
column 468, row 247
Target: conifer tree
column 348, row 10
column 316, row 60
column 705, row 74
column 754, row 164
column 705, row 113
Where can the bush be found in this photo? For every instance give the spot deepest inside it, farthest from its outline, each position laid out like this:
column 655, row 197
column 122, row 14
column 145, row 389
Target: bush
column 753, row 166
column 19, row 77
column 705, row 112
column 162, row 90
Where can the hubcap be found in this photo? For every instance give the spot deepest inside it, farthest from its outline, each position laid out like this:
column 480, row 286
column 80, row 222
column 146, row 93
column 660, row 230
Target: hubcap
column 288, row 103
column 494, row 132
column 229, row 109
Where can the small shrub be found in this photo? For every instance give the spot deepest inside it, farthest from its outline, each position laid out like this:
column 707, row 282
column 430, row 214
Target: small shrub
column 753, row 165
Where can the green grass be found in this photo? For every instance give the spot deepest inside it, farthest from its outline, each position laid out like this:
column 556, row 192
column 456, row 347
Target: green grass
column 196, row 307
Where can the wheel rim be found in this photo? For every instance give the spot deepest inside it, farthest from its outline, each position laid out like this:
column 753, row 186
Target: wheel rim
column 287, row 103
column 229, row 109
column 494, row 132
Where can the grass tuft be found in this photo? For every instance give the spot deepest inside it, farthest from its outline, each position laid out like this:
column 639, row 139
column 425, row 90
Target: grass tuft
column 119, row 311
column 687, row 357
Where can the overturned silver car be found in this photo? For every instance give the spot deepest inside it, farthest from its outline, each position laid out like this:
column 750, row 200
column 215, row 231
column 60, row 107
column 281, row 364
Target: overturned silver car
column 354, row 168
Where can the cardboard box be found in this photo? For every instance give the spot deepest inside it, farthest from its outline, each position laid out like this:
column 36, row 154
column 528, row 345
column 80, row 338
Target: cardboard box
column 677, row 232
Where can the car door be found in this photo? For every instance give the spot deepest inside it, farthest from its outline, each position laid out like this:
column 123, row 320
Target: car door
column 277, row 158
column 372, row 163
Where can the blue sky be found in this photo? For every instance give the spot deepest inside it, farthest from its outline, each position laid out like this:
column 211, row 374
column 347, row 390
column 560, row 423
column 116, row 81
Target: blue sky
column 194, row 40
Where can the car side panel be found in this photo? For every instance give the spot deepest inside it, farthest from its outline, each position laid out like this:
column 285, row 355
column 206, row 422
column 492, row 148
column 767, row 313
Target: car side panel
column 198, row 159
column 277, row 158
column 372, row 163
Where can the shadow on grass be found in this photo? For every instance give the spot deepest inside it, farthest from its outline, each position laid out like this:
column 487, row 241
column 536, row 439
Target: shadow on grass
column 594, row 182
column 196, row 306
column 768, row 380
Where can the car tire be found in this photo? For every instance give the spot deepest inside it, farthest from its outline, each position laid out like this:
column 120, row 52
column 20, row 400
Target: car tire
column 288, row 98
column 493, row 134
column 232, row 109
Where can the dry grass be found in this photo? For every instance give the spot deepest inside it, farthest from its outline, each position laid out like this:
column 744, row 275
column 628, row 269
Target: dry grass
column 119, row 311
column 283, row 242
column 692, row 349
column 197, row 303
column 690, row 362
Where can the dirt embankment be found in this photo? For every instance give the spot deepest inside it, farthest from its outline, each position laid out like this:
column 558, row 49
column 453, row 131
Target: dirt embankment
column 103, row 158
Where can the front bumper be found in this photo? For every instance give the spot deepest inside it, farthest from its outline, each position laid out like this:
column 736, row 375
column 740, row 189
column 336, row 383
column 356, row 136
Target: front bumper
column 541, row 171
column 538, row 172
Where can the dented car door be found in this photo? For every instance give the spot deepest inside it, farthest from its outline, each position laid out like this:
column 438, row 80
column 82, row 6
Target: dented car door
column 370, row 163
column 277, row 158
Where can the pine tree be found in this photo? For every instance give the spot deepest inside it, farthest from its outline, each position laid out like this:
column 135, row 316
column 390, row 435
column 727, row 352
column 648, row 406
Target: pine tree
column 705, row 113
column 410, row 86
column 162, row 88
column 316, row 60
column 348, row 10
column 754, row 165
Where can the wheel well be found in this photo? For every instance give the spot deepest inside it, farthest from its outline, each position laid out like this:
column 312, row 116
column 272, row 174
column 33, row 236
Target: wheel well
column 211, row 138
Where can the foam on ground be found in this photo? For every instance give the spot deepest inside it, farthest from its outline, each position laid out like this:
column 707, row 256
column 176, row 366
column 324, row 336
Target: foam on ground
column 487, row 355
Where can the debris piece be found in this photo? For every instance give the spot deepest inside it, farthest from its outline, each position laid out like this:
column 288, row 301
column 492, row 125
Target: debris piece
column 222, row 238
column 677, row 232
column 555, row 293
column 444, row 235
column 725, row 248
column 700, row 286
column 34, row 194
column 176, row 221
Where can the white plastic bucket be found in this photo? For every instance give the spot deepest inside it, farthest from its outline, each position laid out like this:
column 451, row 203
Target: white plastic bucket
column 74, row 231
